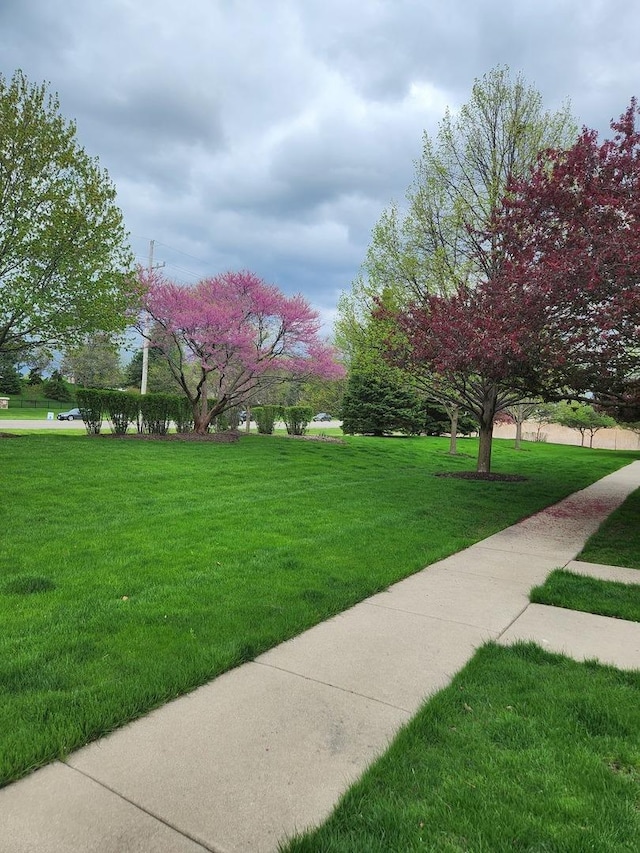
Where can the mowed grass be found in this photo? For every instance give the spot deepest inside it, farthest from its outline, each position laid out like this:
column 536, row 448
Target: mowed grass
column 133, row 571
column 32, row 413
column 591, row 595
column 617, row 542
column 524, row 751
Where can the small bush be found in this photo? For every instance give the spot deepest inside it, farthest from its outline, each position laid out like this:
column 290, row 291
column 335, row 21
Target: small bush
column 265, row 418
column 296, row 419
column 156, row 411
column 122, row 409
column 91, row 404
column 182, row 414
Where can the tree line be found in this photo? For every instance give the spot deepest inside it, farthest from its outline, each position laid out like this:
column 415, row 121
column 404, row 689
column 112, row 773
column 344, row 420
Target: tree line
column 510, row 273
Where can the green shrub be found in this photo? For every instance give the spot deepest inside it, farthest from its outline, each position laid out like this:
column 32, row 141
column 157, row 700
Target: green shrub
column 296, row 419
column 56, row 388
column 91, row 404
column 122, row 409
column 265, row 417
column 229, row 419
column 156, row 412
column 9, row 379
column 182, row 414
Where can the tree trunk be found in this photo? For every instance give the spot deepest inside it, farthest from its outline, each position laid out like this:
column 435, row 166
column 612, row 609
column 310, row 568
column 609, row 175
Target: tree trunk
column 484, row 450
column 453, row 441
column 201, row 414
column 201, row 423
column 518, row 434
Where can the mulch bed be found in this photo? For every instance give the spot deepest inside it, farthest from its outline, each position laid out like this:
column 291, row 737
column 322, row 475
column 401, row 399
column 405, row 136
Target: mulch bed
column 478, row 475
column 225, row 437
column 215, row 437
column 9, row 435
column 331, row 439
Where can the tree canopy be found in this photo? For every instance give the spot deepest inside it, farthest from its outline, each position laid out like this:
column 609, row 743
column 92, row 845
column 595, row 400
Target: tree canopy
column 440, row 237
column 94, row 363
column 559, row 315
column 583, row 418
column 65, row 263
column 443, row 239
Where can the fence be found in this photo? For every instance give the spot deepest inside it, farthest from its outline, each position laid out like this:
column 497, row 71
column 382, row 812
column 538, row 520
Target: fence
column 20, row 403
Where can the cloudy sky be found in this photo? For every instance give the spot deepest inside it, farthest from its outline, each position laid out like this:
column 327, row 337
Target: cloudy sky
column 270, row 134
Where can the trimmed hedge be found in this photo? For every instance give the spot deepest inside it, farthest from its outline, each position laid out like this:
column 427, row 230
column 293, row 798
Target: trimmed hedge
column 91, row 405
column 156, row 412
column 182, row 414
column 122, row 408
column 296, row 419
column 152, row 413
column 265, row 417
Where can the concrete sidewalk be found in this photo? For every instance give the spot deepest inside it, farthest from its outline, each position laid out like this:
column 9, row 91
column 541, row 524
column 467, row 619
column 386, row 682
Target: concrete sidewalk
column 267, row 749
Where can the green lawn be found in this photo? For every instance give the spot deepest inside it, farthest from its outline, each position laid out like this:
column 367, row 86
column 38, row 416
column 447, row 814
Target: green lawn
column 617, row 542
column 32, row 414
column 132, row 571
column 591, row 595
column 524, row 751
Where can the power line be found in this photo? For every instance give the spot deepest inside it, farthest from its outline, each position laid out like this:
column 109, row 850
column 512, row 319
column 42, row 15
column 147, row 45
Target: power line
column 173, row 249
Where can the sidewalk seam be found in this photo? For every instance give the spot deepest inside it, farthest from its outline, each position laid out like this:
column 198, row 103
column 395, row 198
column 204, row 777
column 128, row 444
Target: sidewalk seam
column 198, row 841
column 335, row 686
column 513, row 621
column 430, row 616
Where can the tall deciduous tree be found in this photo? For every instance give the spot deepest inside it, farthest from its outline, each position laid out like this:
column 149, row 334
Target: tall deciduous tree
column 571, row 242
column 227, row 336
column 438, row 239
column 94, row 363
column 559, row 315
column 65, row 263
column 441, row 239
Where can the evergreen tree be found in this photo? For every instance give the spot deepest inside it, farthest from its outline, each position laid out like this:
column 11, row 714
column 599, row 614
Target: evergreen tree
column 9, row 377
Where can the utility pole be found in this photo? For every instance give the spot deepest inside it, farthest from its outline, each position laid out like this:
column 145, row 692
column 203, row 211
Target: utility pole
column 145, row 342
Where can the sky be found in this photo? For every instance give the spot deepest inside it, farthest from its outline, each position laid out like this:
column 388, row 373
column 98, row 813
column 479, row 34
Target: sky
column 270, row 135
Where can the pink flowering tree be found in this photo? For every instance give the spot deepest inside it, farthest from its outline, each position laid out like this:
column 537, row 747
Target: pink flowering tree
column 226, row 336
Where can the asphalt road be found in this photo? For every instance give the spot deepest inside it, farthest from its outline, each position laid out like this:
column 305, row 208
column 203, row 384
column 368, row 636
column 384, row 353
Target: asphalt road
column 38, row 423
column 43, row 423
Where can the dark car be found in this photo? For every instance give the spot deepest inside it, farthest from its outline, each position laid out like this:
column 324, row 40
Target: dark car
column 71, row 415
column 323, row 416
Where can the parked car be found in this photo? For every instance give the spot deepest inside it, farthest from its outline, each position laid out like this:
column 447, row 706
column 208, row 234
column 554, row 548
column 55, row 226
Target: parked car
column 71, row 415
column 322, row 416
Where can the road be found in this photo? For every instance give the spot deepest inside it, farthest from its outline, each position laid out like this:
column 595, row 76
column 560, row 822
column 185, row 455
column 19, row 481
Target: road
column 43, row 423
column 38, row 423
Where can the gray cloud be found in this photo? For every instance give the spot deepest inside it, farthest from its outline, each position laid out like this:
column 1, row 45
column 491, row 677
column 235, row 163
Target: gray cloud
column 270, row 136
